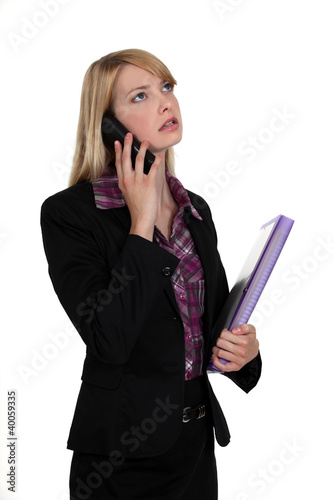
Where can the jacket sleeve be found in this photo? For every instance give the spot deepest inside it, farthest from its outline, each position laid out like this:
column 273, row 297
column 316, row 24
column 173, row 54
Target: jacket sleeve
column 248, row 376
column 107, row 305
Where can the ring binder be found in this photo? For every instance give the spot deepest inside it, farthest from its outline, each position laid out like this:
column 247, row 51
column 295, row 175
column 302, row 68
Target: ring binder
column 253, row 277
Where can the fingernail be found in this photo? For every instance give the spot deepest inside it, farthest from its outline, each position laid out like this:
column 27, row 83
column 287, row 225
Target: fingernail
column 128, row 135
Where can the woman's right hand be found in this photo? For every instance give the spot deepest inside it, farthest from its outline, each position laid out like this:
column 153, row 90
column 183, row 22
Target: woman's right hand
column 139, row 190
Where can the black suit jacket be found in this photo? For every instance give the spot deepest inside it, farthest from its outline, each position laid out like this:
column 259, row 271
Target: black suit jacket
column 116, row 289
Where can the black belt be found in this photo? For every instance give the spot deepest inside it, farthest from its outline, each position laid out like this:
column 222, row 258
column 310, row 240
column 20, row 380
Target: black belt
column 194, row 413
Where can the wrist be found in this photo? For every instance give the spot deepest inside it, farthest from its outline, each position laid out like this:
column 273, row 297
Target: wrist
column 144, row 230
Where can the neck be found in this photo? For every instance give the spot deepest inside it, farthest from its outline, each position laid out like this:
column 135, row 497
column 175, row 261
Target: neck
column 166, row 201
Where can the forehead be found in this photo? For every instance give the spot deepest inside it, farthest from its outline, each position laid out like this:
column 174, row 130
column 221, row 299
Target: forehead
column 130, row 77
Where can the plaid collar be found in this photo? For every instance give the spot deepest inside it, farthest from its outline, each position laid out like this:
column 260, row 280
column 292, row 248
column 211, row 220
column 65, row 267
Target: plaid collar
column 108, row 195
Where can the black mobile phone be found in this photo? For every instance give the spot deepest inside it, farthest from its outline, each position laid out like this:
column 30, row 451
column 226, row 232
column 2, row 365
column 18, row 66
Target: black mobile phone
column 113, row 130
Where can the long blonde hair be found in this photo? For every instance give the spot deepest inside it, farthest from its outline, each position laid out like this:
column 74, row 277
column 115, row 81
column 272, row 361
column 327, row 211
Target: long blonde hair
column 91, row 156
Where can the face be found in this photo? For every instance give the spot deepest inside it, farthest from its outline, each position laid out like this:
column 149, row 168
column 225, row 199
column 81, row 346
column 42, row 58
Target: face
column 147, row 107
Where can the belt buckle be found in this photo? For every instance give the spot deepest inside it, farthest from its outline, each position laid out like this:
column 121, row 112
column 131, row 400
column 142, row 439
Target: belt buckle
column 202, row 411
column 184, row 416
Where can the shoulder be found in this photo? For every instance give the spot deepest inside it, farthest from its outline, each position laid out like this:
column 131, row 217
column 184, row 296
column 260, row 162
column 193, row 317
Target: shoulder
column 197, row 200
column 73, row 204
column 79, row 194
column 200, row 205
column 75, row 208
column 204, row 211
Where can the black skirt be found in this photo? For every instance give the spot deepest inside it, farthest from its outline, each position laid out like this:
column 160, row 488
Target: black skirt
column 187, row 470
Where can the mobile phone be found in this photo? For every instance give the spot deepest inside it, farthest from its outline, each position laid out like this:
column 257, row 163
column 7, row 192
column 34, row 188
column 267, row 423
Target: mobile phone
column 113, row 130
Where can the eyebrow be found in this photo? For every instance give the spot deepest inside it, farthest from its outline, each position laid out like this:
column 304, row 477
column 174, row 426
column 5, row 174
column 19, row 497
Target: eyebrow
column 144, row 87
column 141, row 87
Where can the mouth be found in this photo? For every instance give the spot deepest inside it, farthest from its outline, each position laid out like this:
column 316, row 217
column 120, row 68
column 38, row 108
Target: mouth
column 170, row 124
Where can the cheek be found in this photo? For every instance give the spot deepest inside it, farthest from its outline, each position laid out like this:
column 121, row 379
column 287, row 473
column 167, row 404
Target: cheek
column 139, row 127
column 134, row 122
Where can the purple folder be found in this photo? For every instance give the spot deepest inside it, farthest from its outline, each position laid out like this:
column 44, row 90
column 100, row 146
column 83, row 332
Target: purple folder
column 253, row 277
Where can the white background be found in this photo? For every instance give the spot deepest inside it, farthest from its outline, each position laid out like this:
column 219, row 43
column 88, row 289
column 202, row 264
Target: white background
column 237, row 63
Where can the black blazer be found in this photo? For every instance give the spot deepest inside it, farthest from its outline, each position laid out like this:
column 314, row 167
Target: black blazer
column 116, row 289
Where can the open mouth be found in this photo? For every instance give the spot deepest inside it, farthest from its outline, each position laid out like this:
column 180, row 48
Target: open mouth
column 169, row 123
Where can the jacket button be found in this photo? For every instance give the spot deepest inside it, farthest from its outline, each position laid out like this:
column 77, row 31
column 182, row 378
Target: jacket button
column 166, row 271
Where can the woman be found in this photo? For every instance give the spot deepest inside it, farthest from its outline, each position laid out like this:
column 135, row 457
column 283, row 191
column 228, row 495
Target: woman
column 134, row 261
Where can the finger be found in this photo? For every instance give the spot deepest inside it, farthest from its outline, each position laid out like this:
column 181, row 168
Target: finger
column 224, row 343
column 224, row 333
column 236, row 344
column 217, row 363
column 243, row 329
column 225, row 354
column 227, row 341
column 227, row 336
column 126, row 154
column 155, row 166
column 227, row 367
column 118, row 159
column 140, row 158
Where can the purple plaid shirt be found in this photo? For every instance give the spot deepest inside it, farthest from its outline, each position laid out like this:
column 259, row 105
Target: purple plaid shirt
column 188, row 278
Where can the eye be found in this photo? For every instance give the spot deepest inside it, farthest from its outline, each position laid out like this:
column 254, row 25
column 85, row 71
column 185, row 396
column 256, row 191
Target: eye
column 168, row 87
column 139, row 97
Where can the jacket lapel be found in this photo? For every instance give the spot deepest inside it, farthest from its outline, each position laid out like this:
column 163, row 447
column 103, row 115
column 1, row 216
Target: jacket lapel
column 202, row 238
column 204, row 244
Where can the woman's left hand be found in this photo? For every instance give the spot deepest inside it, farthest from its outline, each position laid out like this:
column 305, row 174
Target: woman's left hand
column 238, row 347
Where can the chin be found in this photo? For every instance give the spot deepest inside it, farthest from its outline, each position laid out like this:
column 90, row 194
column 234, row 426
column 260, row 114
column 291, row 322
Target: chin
column 174, row 142
column 164, row 143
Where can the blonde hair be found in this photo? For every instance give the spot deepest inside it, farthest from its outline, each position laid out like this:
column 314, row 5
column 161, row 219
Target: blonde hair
column 91, row 156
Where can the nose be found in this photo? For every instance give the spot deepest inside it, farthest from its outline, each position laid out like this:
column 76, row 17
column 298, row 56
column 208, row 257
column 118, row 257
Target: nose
column 165, row 103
